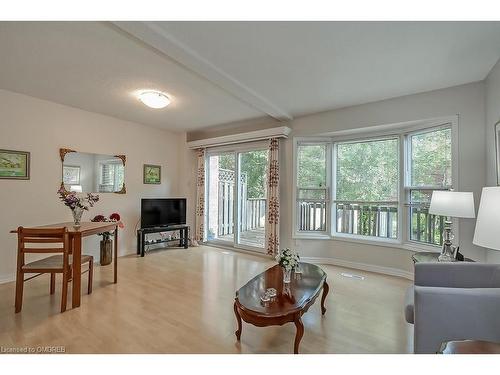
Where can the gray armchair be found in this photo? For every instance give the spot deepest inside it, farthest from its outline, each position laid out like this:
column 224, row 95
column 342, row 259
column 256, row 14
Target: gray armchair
column 453, row 301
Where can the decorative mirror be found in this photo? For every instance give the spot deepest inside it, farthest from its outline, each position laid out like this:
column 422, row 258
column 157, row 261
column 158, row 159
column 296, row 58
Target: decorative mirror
column 92, row 173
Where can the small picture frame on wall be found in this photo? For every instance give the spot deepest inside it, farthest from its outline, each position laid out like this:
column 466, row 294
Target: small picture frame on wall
column 152, row 174
column 14, row 165
column 497, row 149
column 71, row 175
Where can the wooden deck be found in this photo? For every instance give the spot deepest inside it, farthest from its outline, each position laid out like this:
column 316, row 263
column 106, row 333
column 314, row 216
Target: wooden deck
column 254, row 237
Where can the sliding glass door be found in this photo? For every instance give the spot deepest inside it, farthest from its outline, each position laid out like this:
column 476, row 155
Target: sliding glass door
column 237, row 197
column 252, row 198
column 221, row 193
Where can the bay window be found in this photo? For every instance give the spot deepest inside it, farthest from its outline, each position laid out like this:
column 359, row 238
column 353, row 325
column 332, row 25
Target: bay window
column 380, row 186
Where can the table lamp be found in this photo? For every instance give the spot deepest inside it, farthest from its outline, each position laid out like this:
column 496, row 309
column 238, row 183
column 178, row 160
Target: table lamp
column 488, row 217
column 451, row 204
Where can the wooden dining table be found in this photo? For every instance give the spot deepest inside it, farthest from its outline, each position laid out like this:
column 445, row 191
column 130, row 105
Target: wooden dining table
column 76, row 234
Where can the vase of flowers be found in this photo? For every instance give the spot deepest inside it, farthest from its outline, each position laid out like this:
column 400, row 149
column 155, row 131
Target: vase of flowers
column 77, row 216
column 78, row 203
column 288, row 260
column 106, row 245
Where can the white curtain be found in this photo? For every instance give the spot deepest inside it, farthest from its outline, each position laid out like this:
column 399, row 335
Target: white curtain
column 200, row 197
column 273, row 199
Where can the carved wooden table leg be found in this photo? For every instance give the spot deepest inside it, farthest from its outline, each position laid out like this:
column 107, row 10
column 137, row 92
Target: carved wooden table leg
column 326, row 288
column 299, row 334
column 238, row 318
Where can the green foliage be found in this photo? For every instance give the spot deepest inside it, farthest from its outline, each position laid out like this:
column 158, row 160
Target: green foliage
column 226, row 161
column 311, row 166
column 368, row 170
column 254, row 165
column 431, row 158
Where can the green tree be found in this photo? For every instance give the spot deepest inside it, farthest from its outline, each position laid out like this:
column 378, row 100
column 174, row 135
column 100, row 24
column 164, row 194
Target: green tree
column 311, row 166
column 368, row 170
column 253, row 164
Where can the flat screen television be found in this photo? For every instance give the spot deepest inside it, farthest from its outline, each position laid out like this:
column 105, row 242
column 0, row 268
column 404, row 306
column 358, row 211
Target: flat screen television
column 163, row 212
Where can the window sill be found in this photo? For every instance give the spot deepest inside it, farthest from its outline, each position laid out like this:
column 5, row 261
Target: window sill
column 407, row 246
column 311, row 236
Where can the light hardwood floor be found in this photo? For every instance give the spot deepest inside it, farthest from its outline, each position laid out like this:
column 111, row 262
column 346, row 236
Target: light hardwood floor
column 181, row 301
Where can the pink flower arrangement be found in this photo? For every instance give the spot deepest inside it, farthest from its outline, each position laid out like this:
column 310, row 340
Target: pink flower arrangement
column 114, row 217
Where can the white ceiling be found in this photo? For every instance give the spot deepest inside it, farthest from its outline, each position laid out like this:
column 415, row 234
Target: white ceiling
column 305, row 67
column 220, row 72
column 92, row 66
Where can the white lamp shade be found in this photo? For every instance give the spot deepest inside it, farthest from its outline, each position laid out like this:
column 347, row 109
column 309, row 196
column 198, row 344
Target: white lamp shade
column 487, row 232
column 452, row 203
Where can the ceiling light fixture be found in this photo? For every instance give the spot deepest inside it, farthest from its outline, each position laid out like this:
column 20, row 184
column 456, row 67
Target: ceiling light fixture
column 154, row 99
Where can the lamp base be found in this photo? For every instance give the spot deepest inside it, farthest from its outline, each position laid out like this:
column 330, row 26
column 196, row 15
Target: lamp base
column 448, row 251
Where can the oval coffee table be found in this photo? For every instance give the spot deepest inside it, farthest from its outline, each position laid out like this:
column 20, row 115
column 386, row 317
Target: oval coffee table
column 290, row 303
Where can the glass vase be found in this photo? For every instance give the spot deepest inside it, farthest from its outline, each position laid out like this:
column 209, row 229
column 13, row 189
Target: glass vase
column 287, row 276
column 77, row 216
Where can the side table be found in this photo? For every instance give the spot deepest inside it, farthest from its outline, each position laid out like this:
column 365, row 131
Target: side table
column 429, row 257
column 469, row 347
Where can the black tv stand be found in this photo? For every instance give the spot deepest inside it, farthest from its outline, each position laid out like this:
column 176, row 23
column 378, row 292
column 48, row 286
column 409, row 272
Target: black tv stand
column 141, row 236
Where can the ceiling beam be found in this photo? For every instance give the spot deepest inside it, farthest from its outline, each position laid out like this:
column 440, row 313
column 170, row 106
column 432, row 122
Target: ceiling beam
column 157, row 37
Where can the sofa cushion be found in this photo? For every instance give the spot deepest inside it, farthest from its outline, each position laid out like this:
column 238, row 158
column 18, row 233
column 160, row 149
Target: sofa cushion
column 409, row 305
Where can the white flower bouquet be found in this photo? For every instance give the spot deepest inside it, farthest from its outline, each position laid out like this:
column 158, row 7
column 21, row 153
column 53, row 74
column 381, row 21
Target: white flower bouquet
column 288, row 259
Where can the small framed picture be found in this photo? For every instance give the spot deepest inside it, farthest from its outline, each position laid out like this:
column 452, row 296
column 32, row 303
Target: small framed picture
column 497, row 149
column 14, row 165
column 71, row 175
column 152, row 174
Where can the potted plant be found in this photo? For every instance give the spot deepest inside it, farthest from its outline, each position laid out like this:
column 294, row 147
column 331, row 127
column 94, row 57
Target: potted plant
column 288, row 260
column 77, row 203
column 106, row 245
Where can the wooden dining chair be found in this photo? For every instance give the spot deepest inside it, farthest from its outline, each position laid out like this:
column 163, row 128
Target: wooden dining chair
column 55, row 240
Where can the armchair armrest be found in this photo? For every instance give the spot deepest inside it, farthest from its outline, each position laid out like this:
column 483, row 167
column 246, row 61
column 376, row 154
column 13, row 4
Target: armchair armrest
column 458, row 275
column 443, row 314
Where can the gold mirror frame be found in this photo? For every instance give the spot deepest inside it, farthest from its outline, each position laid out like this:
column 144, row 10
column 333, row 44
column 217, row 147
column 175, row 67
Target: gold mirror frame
column 62, row 155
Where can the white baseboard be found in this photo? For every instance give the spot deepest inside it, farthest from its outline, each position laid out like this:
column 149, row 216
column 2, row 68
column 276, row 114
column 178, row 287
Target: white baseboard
column 360, row 266
column 7, row 278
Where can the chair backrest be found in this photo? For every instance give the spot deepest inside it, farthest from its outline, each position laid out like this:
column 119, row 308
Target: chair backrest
column 458, row 275
column 28, row 236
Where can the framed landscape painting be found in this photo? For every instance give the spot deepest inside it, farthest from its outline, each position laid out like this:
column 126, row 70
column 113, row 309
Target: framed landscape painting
column 14, row 165
column 497, row 149
column 152, row 174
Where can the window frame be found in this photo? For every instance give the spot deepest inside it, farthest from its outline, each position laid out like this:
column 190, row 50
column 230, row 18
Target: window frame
column 408, row 187
column 299, row 141
column 400, row 130
column 236, row 150
column 333, row 230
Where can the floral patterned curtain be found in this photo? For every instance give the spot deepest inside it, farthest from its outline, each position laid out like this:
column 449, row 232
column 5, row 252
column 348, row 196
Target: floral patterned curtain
column 273, row 199
column 200, row 197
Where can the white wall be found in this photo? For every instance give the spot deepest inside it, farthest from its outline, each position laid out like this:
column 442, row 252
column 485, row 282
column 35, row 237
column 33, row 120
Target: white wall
column 492, row 116
column 42, row 127
column 466, row 101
